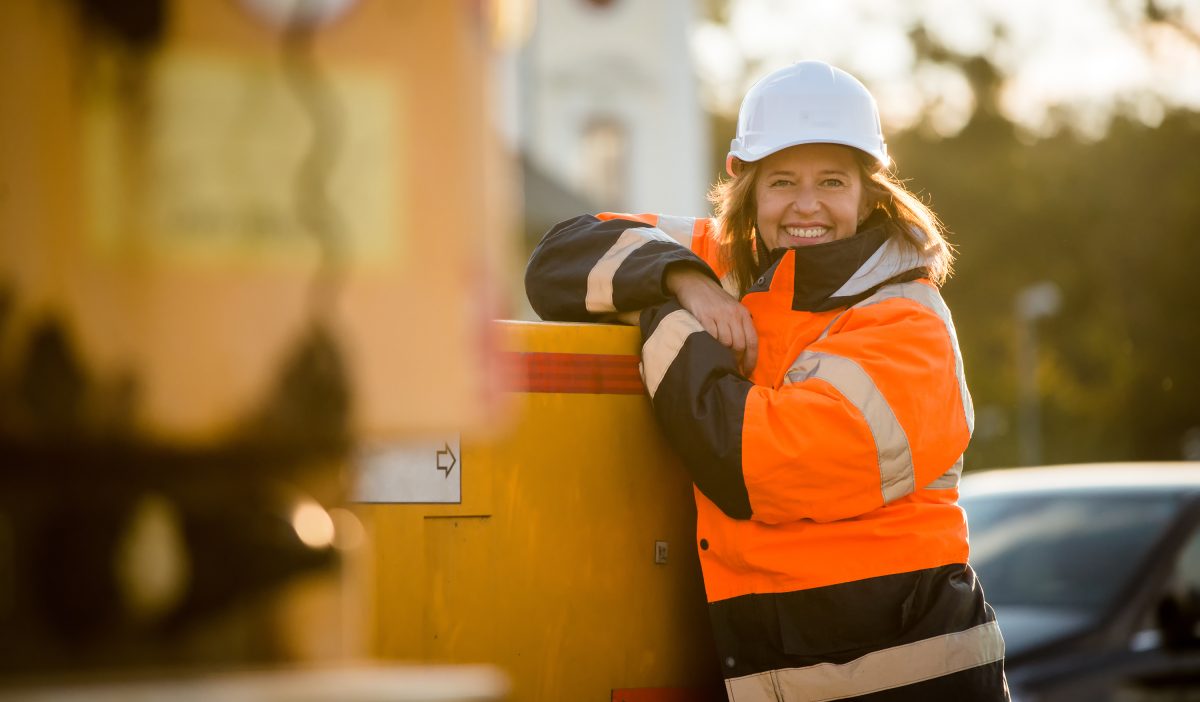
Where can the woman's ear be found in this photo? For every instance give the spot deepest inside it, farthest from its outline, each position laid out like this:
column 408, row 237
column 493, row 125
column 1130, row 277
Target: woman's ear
column 871, row 202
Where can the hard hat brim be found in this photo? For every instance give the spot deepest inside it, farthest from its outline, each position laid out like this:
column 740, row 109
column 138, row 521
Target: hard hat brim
column 878, row 153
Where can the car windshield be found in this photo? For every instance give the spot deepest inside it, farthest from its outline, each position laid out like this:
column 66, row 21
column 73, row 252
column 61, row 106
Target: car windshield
column 1069, row 551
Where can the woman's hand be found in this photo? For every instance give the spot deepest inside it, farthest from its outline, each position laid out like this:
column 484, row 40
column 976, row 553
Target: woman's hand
column 717, row 311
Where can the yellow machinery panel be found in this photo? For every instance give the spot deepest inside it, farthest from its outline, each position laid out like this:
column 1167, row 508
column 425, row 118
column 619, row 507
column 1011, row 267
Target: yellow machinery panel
column 551, row 566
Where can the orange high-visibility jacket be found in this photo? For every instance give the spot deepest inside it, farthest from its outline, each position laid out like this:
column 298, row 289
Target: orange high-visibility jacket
column 833, row 549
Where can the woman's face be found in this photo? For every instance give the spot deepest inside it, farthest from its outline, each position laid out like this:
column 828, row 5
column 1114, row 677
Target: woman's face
column 809, row 194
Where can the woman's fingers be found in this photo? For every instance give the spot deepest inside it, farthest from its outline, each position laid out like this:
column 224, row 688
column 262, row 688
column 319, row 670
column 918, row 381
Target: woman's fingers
column 750, row 357
column 737, row 336
column 709, row 322
column 733, row 327
column 722, row 316
column 744, row 339
column 725, row 331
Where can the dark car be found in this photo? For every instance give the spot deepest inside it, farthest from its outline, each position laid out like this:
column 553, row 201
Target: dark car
column 1094, row 572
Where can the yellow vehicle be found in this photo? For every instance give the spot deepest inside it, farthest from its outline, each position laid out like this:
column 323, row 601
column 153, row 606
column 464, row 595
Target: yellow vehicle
column 570, row 560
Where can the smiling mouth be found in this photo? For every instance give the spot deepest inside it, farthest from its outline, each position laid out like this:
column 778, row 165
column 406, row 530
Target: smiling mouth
column 806, row 232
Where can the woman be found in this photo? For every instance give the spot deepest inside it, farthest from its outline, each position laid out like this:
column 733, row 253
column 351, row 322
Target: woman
column 822, row 418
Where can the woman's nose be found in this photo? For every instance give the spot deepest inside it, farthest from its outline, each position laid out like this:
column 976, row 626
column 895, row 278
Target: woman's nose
column 805, row 201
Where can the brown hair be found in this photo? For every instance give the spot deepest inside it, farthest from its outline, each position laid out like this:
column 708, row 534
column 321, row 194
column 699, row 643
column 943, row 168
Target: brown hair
column 909, row 220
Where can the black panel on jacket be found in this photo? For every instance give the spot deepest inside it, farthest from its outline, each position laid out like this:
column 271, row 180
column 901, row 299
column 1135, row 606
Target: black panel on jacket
column 838, row 623
column 822, row 269
column 556, row 278
column 700, row 405
column 638, row 282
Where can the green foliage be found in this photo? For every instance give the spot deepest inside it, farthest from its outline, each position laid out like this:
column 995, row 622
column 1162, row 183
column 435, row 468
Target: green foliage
column 1114, row 225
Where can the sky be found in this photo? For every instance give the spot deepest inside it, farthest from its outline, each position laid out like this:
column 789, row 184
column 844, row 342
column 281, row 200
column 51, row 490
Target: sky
column 1069, row 63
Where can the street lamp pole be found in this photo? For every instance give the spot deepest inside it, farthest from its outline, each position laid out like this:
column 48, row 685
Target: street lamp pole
column 1033, row 302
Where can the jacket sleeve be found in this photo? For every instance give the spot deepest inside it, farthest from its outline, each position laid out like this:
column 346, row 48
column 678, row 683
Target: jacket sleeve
column 866, row 416
column 587, row 268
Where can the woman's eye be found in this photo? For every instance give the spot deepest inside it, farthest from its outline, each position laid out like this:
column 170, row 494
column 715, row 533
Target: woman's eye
column 780, row 183
column 833, row 182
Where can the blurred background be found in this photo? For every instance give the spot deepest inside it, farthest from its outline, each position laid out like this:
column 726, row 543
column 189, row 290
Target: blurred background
column 1055, row 140
column 242, row 242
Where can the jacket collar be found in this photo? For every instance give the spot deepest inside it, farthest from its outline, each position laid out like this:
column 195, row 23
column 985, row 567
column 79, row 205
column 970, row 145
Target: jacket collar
column 840, row 273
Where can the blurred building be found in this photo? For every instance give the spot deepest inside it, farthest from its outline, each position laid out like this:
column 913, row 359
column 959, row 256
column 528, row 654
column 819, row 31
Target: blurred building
column 604, row 100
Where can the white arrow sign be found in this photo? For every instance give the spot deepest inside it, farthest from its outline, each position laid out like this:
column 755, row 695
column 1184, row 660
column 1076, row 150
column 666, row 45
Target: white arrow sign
column 412, row 472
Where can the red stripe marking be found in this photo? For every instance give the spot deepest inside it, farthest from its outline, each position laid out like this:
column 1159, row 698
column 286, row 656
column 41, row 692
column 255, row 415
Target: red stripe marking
column 590, row 373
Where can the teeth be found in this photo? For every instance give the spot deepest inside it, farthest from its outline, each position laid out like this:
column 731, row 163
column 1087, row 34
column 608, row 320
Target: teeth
column 806, row 232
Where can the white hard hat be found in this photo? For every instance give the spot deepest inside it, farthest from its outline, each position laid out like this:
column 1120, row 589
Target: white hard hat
column 809, row 102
